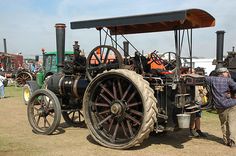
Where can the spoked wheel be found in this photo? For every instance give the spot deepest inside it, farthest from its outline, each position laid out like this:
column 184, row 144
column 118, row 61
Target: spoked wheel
column 102, row 58
column 74, row 118
column 44, row 112
column 170, row 60
column 22, row 77
column 119, row 108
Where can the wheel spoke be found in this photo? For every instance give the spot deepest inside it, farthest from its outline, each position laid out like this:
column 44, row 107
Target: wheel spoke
column 69, row 112
column 44, row 122
column 45, row 119
column 104, row 120
column 105, row 98
column 132, row 118
column 115, row 132
column 37, row 123
column 120, row 88
column 134, row 104
column 47, row 103
column 126, row 92
column 104, row 112
column 106, row 56
column 123, row 127
column 48, row 123
column 130, row 128
column 79, row 116
column 136, row 112
column 111, row 123
column 102, row 104
column 132, row 95
column 99, row 61
column 114, row 90
column 106, row 90
column 73, row 116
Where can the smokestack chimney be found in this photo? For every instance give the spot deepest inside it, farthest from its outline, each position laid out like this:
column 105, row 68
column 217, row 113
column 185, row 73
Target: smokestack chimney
column 60, row 41
column 126, row 48
column 219, row 48
column 5, row 45
column 126, row 51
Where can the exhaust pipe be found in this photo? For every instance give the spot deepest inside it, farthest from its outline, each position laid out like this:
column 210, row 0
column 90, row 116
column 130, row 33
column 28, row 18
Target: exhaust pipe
column 60, row 41
column 219, row 48
column 126, row 51
column 5, row 45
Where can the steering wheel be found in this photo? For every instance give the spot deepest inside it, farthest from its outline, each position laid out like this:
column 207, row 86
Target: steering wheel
column 156, row 58
column 169, row 59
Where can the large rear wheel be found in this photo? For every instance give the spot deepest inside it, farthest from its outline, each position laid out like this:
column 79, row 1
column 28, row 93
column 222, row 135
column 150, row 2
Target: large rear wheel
column 119, row 108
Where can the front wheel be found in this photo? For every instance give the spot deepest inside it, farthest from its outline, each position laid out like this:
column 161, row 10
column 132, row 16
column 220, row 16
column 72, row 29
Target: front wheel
column 44, row 112
column 27, row 92
column 119, row 108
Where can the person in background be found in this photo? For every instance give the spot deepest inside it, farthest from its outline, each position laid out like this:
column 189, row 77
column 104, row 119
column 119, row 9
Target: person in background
column 195, row 128
column 221, row 88
column 2, row 92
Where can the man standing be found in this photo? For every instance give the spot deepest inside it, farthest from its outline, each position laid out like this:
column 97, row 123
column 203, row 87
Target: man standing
column 2, row 87
column 221, row 88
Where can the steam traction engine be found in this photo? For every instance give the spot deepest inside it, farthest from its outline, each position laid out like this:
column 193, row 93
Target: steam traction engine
column 121, row 98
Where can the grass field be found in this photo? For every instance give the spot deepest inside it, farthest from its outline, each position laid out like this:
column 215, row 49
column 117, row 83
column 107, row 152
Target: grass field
column 17, row 138
column 12, row 91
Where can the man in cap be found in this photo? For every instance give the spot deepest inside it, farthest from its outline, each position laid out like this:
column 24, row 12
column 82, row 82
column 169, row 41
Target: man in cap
column 221, row 87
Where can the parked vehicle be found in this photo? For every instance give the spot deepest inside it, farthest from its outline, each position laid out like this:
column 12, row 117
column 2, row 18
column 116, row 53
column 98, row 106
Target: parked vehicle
column 121, row 98
column 32, row 81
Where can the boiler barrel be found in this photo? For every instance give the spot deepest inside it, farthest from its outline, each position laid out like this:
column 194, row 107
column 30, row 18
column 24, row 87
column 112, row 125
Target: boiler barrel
column 67, row 85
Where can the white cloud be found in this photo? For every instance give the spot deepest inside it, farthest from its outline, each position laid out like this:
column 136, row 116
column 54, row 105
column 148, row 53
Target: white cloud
column 28, row 29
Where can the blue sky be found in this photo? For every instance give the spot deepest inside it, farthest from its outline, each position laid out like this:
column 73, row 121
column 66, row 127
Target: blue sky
column 28, row 25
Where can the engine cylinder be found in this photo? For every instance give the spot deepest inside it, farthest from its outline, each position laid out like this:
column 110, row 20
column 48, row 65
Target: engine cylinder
column 67, row 85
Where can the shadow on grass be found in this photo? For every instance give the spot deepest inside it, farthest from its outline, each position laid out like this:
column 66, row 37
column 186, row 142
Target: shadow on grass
column 67, row 125
column 58, row 131
column 175, row 139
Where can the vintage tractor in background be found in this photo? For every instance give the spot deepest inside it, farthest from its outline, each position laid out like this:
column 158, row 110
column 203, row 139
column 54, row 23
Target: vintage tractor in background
column 121, row 98
column 32, row 81
column 230, row 60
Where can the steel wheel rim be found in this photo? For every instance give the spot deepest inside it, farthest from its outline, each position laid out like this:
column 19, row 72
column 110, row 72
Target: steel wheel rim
column 42, row 112
column 116, row 112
